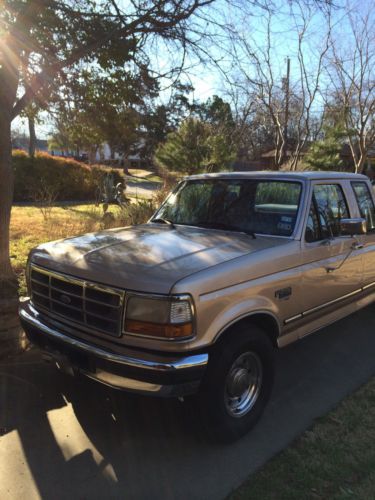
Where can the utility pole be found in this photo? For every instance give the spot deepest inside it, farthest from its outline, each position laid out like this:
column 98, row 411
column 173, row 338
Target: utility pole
column 286, row 118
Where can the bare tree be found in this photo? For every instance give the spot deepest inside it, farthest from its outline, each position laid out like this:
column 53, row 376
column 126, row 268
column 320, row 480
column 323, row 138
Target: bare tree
column 259, row 84
column 351, row 70
column 287, row 94
column 310, row 75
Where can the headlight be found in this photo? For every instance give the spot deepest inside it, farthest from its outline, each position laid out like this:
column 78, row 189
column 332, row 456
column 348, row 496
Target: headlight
column 166, row 318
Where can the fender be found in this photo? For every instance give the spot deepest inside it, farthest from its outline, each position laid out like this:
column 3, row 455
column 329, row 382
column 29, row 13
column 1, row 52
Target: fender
column 238, row 311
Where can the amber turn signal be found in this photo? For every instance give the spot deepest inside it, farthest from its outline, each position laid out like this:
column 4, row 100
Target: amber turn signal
column 159, row 330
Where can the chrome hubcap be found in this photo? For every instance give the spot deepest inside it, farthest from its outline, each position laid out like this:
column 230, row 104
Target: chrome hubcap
column 243, row 383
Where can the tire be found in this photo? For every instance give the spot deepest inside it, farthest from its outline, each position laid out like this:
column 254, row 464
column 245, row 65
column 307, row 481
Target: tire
column 237, row 384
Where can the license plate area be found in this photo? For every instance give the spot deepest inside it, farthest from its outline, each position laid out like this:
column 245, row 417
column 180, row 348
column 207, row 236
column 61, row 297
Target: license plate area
column 69, row 362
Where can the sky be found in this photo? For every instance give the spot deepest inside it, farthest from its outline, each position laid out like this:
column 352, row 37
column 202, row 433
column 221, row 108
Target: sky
column 251, row 23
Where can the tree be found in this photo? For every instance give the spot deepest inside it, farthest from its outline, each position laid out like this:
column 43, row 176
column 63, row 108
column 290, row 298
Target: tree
column 217, row 112
column 44, row 38
column 222, row 139
column 201, row 145
column 325, row 154
column 352, row 73
column 107, row 108
column 185, row 150
column 159, row 120
column 61, row 138
column 284, row 90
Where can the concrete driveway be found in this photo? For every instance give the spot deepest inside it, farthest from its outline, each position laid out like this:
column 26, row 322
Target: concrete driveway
column 65, row 438
column 143, row 189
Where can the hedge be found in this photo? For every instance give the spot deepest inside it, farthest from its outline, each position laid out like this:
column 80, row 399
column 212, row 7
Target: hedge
column 66, row 179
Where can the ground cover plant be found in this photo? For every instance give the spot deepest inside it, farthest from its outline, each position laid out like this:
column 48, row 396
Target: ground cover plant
column 335, row 459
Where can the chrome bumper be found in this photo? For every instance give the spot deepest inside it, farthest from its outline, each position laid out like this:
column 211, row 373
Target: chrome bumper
column 148, row 365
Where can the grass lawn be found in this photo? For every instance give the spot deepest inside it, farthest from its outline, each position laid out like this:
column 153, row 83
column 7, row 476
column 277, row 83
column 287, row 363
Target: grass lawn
column 335, row 459
column 29, row 227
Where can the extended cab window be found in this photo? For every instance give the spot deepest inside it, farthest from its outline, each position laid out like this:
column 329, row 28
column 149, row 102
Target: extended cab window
column 365, row 203
column 328, row 206
column 248, row 205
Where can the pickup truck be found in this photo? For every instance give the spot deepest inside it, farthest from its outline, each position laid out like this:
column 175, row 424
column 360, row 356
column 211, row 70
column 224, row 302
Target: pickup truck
column 231, row 267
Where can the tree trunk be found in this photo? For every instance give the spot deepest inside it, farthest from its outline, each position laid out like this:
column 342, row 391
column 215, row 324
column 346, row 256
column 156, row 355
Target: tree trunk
column 361, row 166
column 6, row 197
column 32, row 135
column 92, row 154
column 279, row 151
column 126, row 165
column 9, row 325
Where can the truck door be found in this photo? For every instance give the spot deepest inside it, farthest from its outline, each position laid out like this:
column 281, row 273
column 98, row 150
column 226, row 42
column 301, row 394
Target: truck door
column 332, row 267
column 366, row 207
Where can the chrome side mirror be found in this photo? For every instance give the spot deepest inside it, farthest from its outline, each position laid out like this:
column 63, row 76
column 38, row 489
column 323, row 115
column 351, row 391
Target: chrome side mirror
column 353, row 226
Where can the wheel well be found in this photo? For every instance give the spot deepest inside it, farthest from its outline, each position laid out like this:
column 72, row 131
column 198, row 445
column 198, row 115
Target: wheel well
column 263, row 320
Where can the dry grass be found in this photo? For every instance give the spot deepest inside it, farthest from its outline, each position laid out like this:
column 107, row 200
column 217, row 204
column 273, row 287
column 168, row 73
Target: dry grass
column 333, row 460
column 29, row 226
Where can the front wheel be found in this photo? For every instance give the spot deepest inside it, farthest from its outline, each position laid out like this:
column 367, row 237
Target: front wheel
column 237, row 384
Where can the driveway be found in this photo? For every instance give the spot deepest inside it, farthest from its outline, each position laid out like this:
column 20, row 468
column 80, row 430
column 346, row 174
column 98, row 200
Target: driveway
column 63, row 438
column 136, row 187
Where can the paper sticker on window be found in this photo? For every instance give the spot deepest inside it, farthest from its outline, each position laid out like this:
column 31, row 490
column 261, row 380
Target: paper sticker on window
column 284, row 226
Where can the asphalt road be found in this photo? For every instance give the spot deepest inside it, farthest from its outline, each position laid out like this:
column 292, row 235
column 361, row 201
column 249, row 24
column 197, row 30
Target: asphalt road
column 65, row 438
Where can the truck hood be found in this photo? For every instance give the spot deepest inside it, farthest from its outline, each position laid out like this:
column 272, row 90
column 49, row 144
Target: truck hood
column 148, row 257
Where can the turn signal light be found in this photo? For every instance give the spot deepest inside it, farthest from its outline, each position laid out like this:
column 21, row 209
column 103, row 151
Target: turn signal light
column 168, row 331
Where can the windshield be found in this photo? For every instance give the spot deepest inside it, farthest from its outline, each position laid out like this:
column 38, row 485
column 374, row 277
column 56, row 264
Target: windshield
column 248, row 205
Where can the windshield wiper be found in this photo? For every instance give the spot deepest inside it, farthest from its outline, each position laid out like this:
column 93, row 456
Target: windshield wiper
column 164, row 221
column 225, row 227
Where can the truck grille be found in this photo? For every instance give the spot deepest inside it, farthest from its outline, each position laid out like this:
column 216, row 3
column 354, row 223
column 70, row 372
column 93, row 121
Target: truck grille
column 93, row 306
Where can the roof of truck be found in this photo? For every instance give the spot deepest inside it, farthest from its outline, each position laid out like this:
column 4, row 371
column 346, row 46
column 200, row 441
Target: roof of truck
column 314, row 175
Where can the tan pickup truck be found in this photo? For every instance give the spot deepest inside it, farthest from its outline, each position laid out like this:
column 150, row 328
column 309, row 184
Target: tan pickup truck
column 230, row 267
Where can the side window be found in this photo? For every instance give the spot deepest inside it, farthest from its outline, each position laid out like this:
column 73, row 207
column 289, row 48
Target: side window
column 365, row 203
column 331, row 207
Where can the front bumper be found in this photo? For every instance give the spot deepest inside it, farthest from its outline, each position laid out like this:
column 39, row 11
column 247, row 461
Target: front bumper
column 166, row 375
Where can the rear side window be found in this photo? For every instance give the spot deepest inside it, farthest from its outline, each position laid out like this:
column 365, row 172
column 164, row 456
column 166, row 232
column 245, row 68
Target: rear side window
column 365, row 203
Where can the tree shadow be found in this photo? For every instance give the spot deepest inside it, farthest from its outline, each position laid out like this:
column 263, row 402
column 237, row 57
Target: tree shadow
column 157, row 448
column 29, row 390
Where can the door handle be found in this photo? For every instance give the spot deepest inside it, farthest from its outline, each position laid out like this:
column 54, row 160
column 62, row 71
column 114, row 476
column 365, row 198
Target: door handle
column 356, row 245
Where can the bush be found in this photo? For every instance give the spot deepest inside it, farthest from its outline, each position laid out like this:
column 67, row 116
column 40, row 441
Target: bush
column 134, row 213
column 130, row 214
column 70, row 180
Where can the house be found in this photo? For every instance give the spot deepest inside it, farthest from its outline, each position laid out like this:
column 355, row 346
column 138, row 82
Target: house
column 107, row 156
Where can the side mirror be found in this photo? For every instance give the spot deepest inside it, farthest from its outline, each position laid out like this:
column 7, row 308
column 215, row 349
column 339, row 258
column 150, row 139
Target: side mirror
column 353, row 226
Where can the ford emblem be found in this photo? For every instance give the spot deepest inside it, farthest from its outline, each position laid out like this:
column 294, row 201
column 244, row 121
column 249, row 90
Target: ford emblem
column 65, row 299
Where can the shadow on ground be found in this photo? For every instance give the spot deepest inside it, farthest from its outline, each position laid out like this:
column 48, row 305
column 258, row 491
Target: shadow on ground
column 72, row 438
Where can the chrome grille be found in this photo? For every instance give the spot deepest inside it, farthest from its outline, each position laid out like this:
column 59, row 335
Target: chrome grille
column 94, row 306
